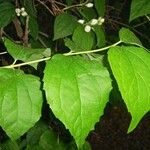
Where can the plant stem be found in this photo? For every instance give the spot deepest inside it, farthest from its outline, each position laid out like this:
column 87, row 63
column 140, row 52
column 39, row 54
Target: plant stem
column 2, row 53
column 66, row 54
column 27, row 63
column 148, row 18
column 77, row 5
column 93, row 51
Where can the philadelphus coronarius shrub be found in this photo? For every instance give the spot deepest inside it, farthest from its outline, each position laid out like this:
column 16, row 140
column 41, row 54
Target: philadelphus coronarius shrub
column 76, row 88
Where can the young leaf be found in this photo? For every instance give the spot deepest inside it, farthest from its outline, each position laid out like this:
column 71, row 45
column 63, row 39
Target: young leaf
column 100, row 7
column 128, row 36
column 7, row 13
column 139, row 8
column 77, row 91
column 20, row 102
column 131, row 68
column 64, row 25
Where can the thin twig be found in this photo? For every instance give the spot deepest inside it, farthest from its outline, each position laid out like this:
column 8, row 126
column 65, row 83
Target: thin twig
column 2, row 53
column 77, row 5
column 125, row 25
column 45, row 6
column 148, row 18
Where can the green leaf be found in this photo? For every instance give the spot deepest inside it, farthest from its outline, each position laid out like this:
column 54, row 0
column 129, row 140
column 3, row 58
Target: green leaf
column 7, row 13
column 139, row 8
column 131, row 68
column 64, row 25
column 30, row 8
column 50, row 141
column 128, row 36
column 69, row 2
column 100, row 35
column 100, row 7
column 20, row 102
column 33, row 26
column 77, row 91
column 88, row 13
column 9, row 145
column 81, row 40
column 25, row 54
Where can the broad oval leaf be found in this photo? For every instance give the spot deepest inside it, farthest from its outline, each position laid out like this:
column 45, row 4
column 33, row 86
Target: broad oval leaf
column 20, row 102
column 139, row 8
column 131, row 68
column 7, row 13
column 129, row 37
column 77, row 91
column 64, row 25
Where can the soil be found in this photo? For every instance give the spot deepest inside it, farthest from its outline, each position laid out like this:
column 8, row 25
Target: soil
column 111, row 131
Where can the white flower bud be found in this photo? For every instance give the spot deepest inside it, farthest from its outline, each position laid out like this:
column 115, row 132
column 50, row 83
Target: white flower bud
column 102, row 20
column 24, row 14
column 18, row 14
column 100, row 23
column 87, row 28
column 89, row 5
column 94, row 22
column 81, row 21
column 22, row 9
column 17, row 10
column 99, row 18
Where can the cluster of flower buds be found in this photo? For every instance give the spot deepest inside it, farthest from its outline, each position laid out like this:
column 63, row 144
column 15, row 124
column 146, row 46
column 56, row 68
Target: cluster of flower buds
column 91, row 23
column 21, row 12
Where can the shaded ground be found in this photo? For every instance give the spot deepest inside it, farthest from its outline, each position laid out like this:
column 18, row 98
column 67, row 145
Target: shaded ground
column 111, row 131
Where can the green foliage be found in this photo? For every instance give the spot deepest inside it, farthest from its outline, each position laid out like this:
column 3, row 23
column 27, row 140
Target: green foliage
column 84, row 88
column 133, row 80
column 20, row 102
column 64, row 25
column 100, row 7
column 76, row 88
column 100, row 35
column 129, row 37
column 7, row 13
column 81, row 40
column 19, row 52
column 139, row 8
